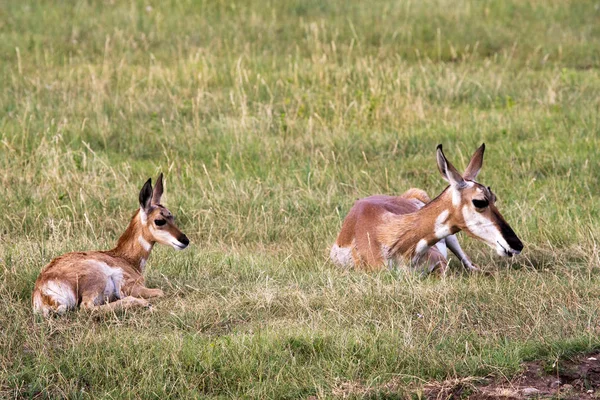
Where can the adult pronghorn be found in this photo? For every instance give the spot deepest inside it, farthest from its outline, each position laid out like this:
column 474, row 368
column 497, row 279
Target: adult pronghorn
column 108, row 280
column 386, row 230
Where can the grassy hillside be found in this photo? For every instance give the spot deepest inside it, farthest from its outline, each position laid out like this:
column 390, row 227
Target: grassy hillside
column 269, row 119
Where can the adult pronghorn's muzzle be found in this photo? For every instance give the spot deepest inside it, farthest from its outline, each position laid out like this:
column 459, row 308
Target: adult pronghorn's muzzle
column 514, row 243
column 184, row 241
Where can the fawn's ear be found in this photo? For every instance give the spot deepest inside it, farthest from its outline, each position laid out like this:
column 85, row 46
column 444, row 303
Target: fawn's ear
column 475, row 164
column 449, row 173
column 158, row 190
column 146, row 196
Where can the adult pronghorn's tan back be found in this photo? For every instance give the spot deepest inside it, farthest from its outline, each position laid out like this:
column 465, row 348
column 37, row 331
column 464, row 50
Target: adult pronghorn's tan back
column 105, row 280
column 412, row 229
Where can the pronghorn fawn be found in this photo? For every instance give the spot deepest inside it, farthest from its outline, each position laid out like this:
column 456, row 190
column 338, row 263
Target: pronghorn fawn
column 413, row 230
column 112, row 279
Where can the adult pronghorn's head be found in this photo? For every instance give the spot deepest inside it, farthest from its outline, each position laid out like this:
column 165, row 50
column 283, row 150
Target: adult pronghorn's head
column 158, row 224
column 474, row 206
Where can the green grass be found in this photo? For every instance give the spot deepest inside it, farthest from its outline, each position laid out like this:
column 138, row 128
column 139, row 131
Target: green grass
column 269, row 119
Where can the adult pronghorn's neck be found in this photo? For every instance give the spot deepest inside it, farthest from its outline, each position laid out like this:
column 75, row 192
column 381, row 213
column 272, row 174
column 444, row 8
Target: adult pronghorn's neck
column 132, row 245
column 412, row 234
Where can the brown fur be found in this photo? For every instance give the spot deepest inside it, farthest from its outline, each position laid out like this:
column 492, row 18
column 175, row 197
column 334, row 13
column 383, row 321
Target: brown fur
column 418, row 194
column 396, row 222
column 82, row 276
column 382, row 228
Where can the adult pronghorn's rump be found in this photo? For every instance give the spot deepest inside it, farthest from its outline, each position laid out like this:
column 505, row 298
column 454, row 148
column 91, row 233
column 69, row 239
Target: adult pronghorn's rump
column 382, row 230
column 105, row 280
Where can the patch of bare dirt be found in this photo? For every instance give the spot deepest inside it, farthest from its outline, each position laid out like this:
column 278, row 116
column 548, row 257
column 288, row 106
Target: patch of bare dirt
column 578, row 378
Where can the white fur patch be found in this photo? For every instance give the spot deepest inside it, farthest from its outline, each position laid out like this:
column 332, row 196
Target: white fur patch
column 114, row 280
column 145, row 244
column 143, row 264
column 165, row 237
column 441, row 229
column 421, row 247
column 341, row 256
column 456, row 197
column 38, row 306
column 418, row 203
column 485, row 230
column 143, row 216
column 62, row 293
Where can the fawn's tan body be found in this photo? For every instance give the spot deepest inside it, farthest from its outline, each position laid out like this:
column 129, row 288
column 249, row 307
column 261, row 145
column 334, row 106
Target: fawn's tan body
column 412, row 229
column 107, row 280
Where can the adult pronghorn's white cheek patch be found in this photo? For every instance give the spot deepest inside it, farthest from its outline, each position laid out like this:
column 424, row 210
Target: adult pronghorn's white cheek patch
column 482, row 227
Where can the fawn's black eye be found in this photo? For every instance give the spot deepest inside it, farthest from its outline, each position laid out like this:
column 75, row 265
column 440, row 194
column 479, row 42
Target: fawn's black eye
column 480, row 203
column 160, row 222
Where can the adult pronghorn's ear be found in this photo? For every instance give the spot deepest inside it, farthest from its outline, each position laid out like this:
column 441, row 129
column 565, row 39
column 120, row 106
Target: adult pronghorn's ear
column 475, row 164
column 158, row 190
column 146, row 196
column 449, row 173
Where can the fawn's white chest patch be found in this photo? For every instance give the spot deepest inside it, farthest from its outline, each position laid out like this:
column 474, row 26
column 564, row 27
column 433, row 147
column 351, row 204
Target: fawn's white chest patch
column 145, row 244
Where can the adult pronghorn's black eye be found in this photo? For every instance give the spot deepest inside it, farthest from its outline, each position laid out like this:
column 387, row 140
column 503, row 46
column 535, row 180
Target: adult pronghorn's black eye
column 160, row 222
column 480, row 203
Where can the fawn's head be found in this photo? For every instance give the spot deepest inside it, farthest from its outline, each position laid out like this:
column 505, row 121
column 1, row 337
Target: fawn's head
column 474, row 206
column 158, row 224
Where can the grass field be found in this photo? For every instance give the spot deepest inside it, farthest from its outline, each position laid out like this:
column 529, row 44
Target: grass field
column 269, row 119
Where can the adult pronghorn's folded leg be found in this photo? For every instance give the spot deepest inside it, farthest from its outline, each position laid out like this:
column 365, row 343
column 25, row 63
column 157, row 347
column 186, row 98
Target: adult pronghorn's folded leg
column 436, row 261
column 454, row 246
